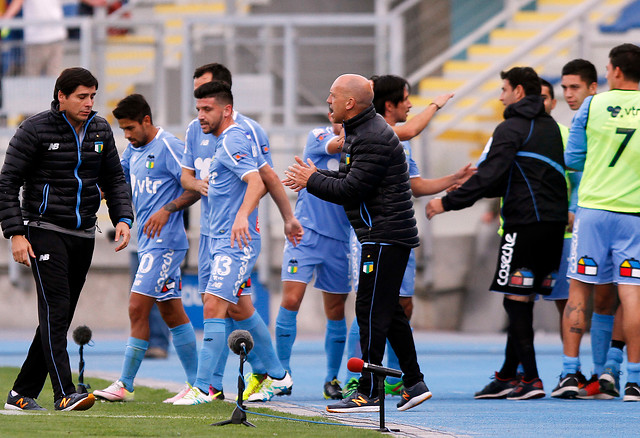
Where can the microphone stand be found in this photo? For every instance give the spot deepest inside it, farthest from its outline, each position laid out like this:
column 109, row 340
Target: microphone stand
column 239, row 416
column 82, row 388
column 380, row 379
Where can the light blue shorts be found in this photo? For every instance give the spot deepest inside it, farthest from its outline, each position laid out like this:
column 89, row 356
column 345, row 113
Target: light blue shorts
column 561, row 290
column 231, row 268
column 158, row 274
column 204, row 266
column 327, row 257
column 408, row 281
column 605, row 247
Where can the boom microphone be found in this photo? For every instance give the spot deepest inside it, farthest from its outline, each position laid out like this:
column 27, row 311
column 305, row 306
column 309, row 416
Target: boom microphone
column 240, row 341
column 82, row 335
column 357, row 365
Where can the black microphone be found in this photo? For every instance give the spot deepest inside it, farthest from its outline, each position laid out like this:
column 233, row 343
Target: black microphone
column 240, row 341
column 82, row 335
column 357, row 365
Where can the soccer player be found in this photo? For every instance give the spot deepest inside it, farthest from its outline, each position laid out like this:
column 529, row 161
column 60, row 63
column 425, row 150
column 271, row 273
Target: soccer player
column 235, row 188
column 199, row 150
column 606, row 244
column 524, row 165
column 325, row 252
column 151, row 165
column 391, row 100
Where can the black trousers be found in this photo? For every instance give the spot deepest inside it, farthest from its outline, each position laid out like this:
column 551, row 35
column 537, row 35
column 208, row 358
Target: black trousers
column 60, row 269
column 380, row 315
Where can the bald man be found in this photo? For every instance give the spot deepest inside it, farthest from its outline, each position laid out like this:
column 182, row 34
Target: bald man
column 372, row 184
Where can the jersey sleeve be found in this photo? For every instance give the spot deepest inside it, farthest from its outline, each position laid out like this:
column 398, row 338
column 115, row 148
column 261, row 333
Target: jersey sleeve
column 576, row 152
column 175, row 149
column 125, row 162
column 237, row 154
column 189, row 143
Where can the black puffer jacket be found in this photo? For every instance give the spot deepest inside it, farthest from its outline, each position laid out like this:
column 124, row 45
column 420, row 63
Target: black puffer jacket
column 61, row 179
column 372, row 182
column 524, row 165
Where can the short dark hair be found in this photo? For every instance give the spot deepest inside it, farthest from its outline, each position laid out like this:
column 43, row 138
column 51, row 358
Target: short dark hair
column 218, row 72
column 72, row 78
column 388, row 88
column 525, row 76
column 627, row 57
column 546, row 83
column 219, row 90
column 583, row 68
column 133, row 107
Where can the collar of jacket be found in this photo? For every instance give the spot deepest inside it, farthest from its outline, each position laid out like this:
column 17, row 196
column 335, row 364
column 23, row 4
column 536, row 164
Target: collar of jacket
column 359, row 119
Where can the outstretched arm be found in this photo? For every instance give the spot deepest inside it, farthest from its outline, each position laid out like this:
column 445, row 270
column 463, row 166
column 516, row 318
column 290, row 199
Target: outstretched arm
column 417, row 123
column 424, row 186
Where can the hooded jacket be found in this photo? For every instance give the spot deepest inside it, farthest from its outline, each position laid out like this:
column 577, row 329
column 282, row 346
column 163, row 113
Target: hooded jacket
column 524, row 165
column 61, row 174
column 372, row 182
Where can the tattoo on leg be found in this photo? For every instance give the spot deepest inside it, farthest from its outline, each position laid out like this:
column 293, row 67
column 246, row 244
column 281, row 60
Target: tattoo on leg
column 576, row 330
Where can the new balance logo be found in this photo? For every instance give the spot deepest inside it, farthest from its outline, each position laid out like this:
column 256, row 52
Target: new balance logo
column 65, row 402
column 43, row 257
column 54, row 146
column 21, row 403
column 360, row 401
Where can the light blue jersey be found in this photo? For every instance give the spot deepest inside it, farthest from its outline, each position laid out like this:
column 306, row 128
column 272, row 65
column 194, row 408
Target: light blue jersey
column 153, row 170
column 414, row 172
column 323, row 217
column 233, row 160
column 258, row 137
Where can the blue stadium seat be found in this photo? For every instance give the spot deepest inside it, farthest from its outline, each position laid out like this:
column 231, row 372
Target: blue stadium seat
column 629, row 18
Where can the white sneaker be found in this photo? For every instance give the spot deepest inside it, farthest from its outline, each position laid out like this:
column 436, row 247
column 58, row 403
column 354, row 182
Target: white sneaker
column 179, row 395
column 193, row 397
column 115, row 392
column 271, row 387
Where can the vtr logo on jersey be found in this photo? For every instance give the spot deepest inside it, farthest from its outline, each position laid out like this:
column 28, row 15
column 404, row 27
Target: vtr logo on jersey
column 630, row 268
column 151, row 160
column 506, row 255
column 292, row 267
column 54, row 146
column 144, row 185
column 614, row 110
column 587, row 266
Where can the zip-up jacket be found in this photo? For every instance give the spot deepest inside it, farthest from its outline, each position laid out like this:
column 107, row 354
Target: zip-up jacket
column 61, row 174
column 524, row 165
column 372, row 182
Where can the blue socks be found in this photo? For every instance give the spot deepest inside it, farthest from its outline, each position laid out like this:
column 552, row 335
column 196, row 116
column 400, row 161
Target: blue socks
column 262, row 345
column 133, row 355
column 353, row 347
column 286, row 331
column 184, row 341
column 334, row 340
column 601, row 328
column 221, row 363
column 570, row 365
column 614, row 360
column 633, row 372
column 212, row 345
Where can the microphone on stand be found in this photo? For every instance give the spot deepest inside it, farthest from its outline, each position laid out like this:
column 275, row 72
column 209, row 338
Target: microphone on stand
column 357, row 365
column 82, row 336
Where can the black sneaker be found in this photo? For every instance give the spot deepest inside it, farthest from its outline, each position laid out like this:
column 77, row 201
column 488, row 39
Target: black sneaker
column 75, row 402
column 413, row 396
column 21, row 403
column 631, row 392
column 567, row 387
column 527, row 390
column 610, row 382
column 357, row 402
column 332, row 390
column 497, row 388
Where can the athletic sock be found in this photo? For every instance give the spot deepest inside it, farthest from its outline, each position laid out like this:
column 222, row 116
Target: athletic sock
column 511, row 363
column 221, row 361
column 213, row 343
column 353, row 347
column 520, row 332
column 133, row 355
column 633, row 372
column 262, row 345
column 184, row 341
column 601, row 328
column 618, row 344
column 286, row 331
column 334, row 340
column 614, row 359
column 570, row 365
column 392, row 362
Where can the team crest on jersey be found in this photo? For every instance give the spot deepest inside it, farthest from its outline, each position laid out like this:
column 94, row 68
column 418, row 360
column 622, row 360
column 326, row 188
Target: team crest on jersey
column 150, row 161
column 347, row 159
column 292, row 267
column 521, row 278
column 98, row 145
column 587, row 266
column 367, row 267
column 630, row 268
column 614, row 110
column 550, row 280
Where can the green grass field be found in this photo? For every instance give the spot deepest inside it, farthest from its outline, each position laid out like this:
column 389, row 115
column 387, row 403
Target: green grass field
column 149, row 417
